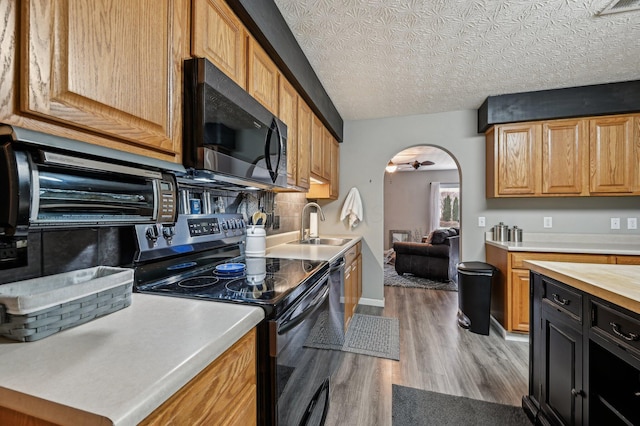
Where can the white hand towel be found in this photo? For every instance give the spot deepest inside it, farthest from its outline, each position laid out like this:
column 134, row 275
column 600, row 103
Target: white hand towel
column 352, row 208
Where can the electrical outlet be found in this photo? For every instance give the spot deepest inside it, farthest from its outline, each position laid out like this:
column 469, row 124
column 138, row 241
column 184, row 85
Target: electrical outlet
column 548, row 222
column 615, row 223
column 482, row 222
column 632, row 223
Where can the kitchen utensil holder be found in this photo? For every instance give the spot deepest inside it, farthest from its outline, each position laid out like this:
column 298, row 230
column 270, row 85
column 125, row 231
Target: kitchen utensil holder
column 33, row 309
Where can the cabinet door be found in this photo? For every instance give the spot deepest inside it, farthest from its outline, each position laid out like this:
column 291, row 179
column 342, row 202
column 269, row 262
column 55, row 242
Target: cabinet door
column 222, row 394
column 262, row 77
column 518, row 152
column 334, row 176
column 359, row 278
column 565, row 157
column 317, row 147
column 611, row 148
column 519, row 300
column 109, row 67
column 562, row 394
column 288, row 113
column 304, row 143
column 326, row 153
column 218, row 35
column 348, row 295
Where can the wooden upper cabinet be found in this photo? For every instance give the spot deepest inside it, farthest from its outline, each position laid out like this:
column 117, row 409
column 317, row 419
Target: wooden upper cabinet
column 334, row 184
column 111, row 67
column 613, row 154
column 218, row 35
column 317, row 147
column 262, row 79
column 326, row 154
column 574, row 157
column 565, row 157
column 288, row 113
column 304, row 143
column 517, row 156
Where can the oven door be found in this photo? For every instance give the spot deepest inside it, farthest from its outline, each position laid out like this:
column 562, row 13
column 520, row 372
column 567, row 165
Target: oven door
column 302, row 373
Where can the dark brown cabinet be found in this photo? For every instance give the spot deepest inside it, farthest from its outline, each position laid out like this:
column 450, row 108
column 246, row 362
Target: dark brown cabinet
column 584, row 363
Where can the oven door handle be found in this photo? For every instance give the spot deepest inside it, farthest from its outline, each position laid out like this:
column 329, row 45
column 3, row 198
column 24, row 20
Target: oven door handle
column 289, row 322
column 324, row 388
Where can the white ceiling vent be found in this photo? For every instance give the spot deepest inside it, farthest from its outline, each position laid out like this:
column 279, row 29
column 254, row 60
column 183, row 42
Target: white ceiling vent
column 621, row 6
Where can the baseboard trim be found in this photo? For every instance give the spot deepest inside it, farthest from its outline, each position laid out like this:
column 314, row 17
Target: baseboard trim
column 372, row 302
column 514, row 337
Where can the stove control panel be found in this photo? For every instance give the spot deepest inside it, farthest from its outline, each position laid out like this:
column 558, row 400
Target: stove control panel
column 198, row 227
column 156, row 241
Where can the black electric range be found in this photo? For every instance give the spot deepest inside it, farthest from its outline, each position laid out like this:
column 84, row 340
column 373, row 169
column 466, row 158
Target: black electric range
column 183, row 261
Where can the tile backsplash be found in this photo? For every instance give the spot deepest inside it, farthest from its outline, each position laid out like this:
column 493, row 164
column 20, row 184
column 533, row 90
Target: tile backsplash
column 288, row 207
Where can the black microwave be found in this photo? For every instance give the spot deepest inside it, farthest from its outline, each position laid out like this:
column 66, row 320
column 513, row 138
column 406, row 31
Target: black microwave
column 228, row 135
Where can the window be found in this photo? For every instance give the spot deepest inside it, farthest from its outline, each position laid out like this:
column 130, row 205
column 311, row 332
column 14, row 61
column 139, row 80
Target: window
column 449, row 205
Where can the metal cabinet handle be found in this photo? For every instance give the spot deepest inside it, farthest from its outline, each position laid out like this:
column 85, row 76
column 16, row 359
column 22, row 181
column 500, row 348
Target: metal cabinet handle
column 631, row 337
column 577, row 393
column 560, row 300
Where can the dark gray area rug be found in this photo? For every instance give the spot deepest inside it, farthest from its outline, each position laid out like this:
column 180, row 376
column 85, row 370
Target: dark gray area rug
column 415, row 407
column 391, row 278
column 367, row 335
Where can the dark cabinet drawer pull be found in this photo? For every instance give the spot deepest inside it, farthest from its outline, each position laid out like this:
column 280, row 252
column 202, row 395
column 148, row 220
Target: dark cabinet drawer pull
column 631, row 337
column 560, row 300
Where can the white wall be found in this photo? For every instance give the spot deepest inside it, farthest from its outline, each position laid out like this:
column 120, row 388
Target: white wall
column 368, row 146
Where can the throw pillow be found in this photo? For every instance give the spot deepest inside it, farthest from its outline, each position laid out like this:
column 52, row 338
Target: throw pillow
column 439, row 235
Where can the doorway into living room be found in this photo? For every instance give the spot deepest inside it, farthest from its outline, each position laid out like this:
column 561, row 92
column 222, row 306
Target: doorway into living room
column 422, row 206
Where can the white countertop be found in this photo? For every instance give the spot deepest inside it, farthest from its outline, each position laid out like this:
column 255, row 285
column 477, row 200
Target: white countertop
column 119, row 368
column 277, row 246
column 573, row 243
column 619, row 284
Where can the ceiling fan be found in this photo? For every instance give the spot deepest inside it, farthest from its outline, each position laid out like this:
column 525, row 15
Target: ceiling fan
column 416, row 164
column 391, row 167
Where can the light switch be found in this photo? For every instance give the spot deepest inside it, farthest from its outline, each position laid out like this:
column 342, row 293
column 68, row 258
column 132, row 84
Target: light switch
column 615, row 223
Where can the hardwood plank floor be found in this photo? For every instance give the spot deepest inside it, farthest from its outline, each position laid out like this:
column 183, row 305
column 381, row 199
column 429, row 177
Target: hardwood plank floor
column 435, row 355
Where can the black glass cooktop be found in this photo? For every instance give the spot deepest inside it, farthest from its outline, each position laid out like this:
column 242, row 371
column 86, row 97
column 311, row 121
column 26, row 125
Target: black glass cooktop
column 272, row 283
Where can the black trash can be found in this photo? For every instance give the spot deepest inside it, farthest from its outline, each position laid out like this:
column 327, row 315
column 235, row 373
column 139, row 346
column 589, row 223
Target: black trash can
column 474, row 296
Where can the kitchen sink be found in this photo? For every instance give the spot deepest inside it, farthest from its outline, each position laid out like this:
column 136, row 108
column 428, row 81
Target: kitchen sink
column 323, row 241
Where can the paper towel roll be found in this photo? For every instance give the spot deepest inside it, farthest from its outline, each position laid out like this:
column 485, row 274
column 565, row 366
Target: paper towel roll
column 313, row 225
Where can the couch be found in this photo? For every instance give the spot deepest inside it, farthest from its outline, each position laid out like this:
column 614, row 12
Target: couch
column 435, row 258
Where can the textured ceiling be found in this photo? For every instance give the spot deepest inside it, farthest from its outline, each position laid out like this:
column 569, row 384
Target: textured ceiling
column 383, row 58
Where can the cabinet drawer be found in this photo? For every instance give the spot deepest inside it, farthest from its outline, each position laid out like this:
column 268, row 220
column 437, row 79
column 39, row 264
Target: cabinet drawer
column 351, row 254
column 517, row 259
column 621, row 328
column 563, row 298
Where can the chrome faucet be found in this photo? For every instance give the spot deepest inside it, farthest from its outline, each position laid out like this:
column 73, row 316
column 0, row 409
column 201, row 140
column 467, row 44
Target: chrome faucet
column 302, row 230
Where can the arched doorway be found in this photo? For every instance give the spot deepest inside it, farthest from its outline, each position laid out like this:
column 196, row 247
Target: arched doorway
column 420, row 183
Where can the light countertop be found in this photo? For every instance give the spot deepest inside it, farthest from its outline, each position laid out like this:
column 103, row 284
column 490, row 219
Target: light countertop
column 277, row 246
column 618, row 284
column 573, row 243
column 119, row 368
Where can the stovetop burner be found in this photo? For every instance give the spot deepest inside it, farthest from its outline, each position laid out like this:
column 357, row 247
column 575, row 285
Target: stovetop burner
column 198, row 282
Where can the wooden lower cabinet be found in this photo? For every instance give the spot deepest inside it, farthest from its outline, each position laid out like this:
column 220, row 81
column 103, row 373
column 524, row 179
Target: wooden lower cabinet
column 352, row 281
column 510, row 290
column 222, row 394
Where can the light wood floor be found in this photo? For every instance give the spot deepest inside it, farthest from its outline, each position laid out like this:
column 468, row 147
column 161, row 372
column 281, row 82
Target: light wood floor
column 435, row 355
